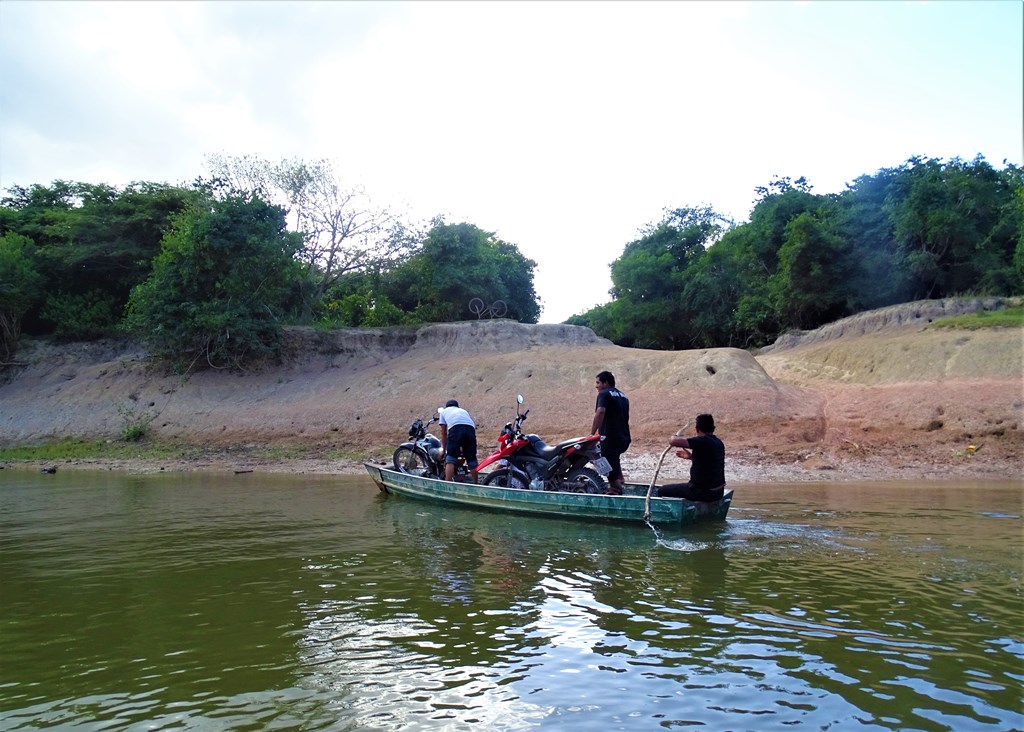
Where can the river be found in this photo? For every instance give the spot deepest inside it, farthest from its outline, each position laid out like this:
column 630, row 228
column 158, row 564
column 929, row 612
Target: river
column 269, row 602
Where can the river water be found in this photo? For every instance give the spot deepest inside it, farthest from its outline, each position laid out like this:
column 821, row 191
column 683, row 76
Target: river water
column 268, row 602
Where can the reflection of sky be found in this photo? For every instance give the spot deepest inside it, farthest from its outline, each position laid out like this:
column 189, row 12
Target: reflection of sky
column 392, row 672
column 778, row 623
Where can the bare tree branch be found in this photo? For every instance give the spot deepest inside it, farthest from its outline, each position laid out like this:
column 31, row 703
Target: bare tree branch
column 342, row 230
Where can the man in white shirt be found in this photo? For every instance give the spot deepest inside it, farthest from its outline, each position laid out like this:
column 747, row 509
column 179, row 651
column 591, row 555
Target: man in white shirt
column 458, row 435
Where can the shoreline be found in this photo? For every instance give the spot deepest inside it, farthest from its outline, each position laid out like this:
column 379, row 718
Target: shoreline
column 743, row 466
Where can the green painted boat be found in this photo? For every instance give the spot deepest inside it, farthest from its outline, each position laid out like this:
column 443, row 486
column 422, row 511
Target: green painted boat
column 629, row 507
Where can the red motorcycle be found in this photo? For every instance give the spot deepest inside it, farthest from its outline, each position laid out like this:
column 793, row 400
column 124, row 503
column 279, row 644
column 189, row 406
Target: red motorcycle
column 525, row 461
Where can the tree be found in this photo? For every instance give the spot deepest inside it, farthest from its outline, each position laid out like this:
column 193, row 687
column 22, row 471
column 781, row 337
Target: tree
column 1018, row 252
column 860, row 219
column 457, row 263
column 650, row 276
column 809, row 288
column 20, row 286
column 220, row 286
column 714, row 286
column 94, row 243
column 944, row 216
column 756, row 320
column 342, row 230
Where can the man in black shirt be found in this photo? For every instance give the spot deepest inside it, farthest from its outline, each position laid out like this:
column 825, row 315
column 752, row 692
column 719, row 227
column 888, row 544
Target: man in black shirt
column 611, row 419
column 707, row 472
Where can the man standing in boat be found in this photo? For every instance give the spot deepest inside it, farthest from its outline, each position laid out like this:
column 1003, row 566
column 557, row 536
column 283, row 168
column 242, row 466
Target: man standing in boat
column 611, row 419
column 458, row 435
column 707, row 471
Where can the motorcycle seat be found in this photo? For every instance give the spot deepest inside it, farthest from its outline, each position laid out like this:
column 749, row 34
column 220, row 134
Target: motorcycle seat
column 543, row 449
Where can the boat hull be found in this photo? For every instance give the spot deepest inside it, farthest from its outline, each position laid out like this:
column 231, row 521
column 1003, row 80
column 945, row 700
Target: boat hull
column 629, row 507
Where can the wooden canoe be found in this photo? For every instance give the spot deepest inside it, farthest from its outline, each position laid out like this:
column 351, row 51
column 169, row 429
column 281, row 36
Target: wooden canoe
column 628, row 507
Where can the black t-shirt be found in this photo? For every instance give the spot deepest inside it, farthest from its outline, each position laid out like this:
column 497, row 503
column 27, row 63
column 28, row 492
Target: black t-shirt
column 615, row 426
column 708, row 468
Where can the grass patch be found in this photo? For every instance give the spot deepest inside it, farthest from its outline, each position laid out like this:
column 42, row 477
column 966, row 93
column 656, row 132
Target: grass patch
column 79, row 449
column 76, row 449
column 1006, row 318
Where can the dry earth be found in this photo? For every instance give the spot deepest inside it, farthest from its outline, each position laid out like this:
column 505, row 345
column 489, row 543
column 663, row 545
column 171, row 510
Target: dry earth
column 875, row 396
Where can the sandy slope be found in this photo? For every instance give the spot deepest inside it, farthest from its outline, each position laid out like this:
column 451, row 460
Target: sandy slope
column 875, row 396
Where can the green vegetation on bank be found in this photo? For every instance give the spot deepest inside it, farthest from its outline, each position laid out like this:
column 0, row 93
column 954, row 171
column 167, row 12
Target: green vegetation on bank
column 206, row 275
column 69, row 450
column 78, row 449
column 926, row 229
column 1008, row 318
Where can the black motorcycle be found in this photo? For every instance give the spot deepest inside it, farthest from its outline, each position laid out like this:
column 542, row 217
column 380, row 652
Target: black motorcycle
column 424, row 455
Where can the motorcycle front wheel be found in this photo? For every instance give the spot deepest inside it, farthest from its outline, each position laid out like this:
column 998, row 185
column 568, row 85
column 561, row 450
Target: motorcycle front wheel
column 412, row 461
column 504, row 478
column 585, row 480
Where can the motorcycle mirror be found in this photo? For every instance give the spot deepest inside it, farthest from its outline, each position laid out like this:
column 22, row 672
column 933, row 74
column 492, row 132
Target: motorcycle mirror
column 519, row 398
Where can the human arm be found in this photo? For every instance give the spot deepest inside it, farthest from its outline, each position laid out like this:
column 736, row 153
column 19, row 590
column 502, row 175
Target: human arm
column 681, row 442
column 598, row 419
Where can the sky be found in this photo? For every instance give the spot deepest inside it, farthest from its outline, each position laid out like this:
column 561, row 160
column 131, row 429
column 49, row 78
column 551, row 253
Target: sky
column 563, row 127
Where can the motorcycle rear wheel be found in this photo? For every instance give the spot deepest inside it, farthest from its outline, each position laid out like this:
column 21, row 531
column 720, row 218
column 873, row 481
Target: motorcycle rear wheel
column 414, row 462
column 585, row 480
column 504, row 478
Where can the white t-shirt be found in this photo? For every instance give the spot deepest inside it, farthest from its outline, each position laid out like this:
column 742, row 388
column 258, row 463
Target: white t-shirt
column 452, row 416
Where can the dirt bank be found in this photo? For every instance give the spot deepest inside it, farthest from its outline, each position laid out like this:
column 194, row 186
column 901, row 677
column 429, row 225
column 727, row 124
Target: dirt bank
column 885, row 398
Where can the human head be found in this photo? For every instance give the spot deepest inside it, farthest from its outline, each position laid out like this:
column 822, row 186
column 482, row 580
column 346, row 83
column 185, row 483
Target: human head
column 607, row 377
column 451, row 403
column 705, row 424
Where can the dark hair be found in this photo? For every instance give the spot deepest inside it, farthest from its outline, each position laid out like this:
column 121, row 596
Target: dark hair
column 607, row 377
column 451, row 403
column 705, row 424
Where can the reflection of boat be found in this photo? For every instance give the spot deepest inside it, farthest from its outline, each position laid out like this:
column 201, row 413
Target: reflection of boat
column 629, row 507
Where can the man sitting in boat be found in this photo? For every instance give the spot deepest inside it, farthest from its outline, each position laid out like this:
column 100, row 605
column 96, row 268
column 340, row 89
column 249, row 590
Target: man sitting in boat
column 707, row 470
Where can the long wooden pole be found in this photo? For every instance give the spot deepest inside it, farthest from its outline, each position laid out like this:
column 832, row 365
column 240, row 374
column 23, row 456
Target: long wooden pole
column 650, row 490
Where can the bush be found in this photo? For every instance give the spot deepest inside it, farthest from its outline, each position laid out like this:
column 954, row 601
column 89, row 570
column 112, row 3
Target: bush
column 81, row 317
column 220, row 286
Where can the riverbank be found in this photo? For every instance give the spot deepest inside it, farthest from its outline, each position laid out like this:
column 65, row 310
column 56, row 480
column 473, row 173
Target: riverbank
column 743, row 466
column 880, row 396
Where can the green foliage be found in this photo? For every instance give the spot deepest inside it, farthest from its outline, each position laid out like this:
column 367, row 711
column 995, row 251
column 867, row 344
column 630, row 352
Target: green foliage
column 219, row 287
column 82, row 317
column 808, row 289
column 79, row 449
column 135, row 423
column 94, row 244
column 82, row 449
column 953, row 227
column 20, row 287
column 1012, row 317
column 859, row 218
column 359, row 310
column 456, row 263
column 649, row 280
column 925, row 229
column 212, row 288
